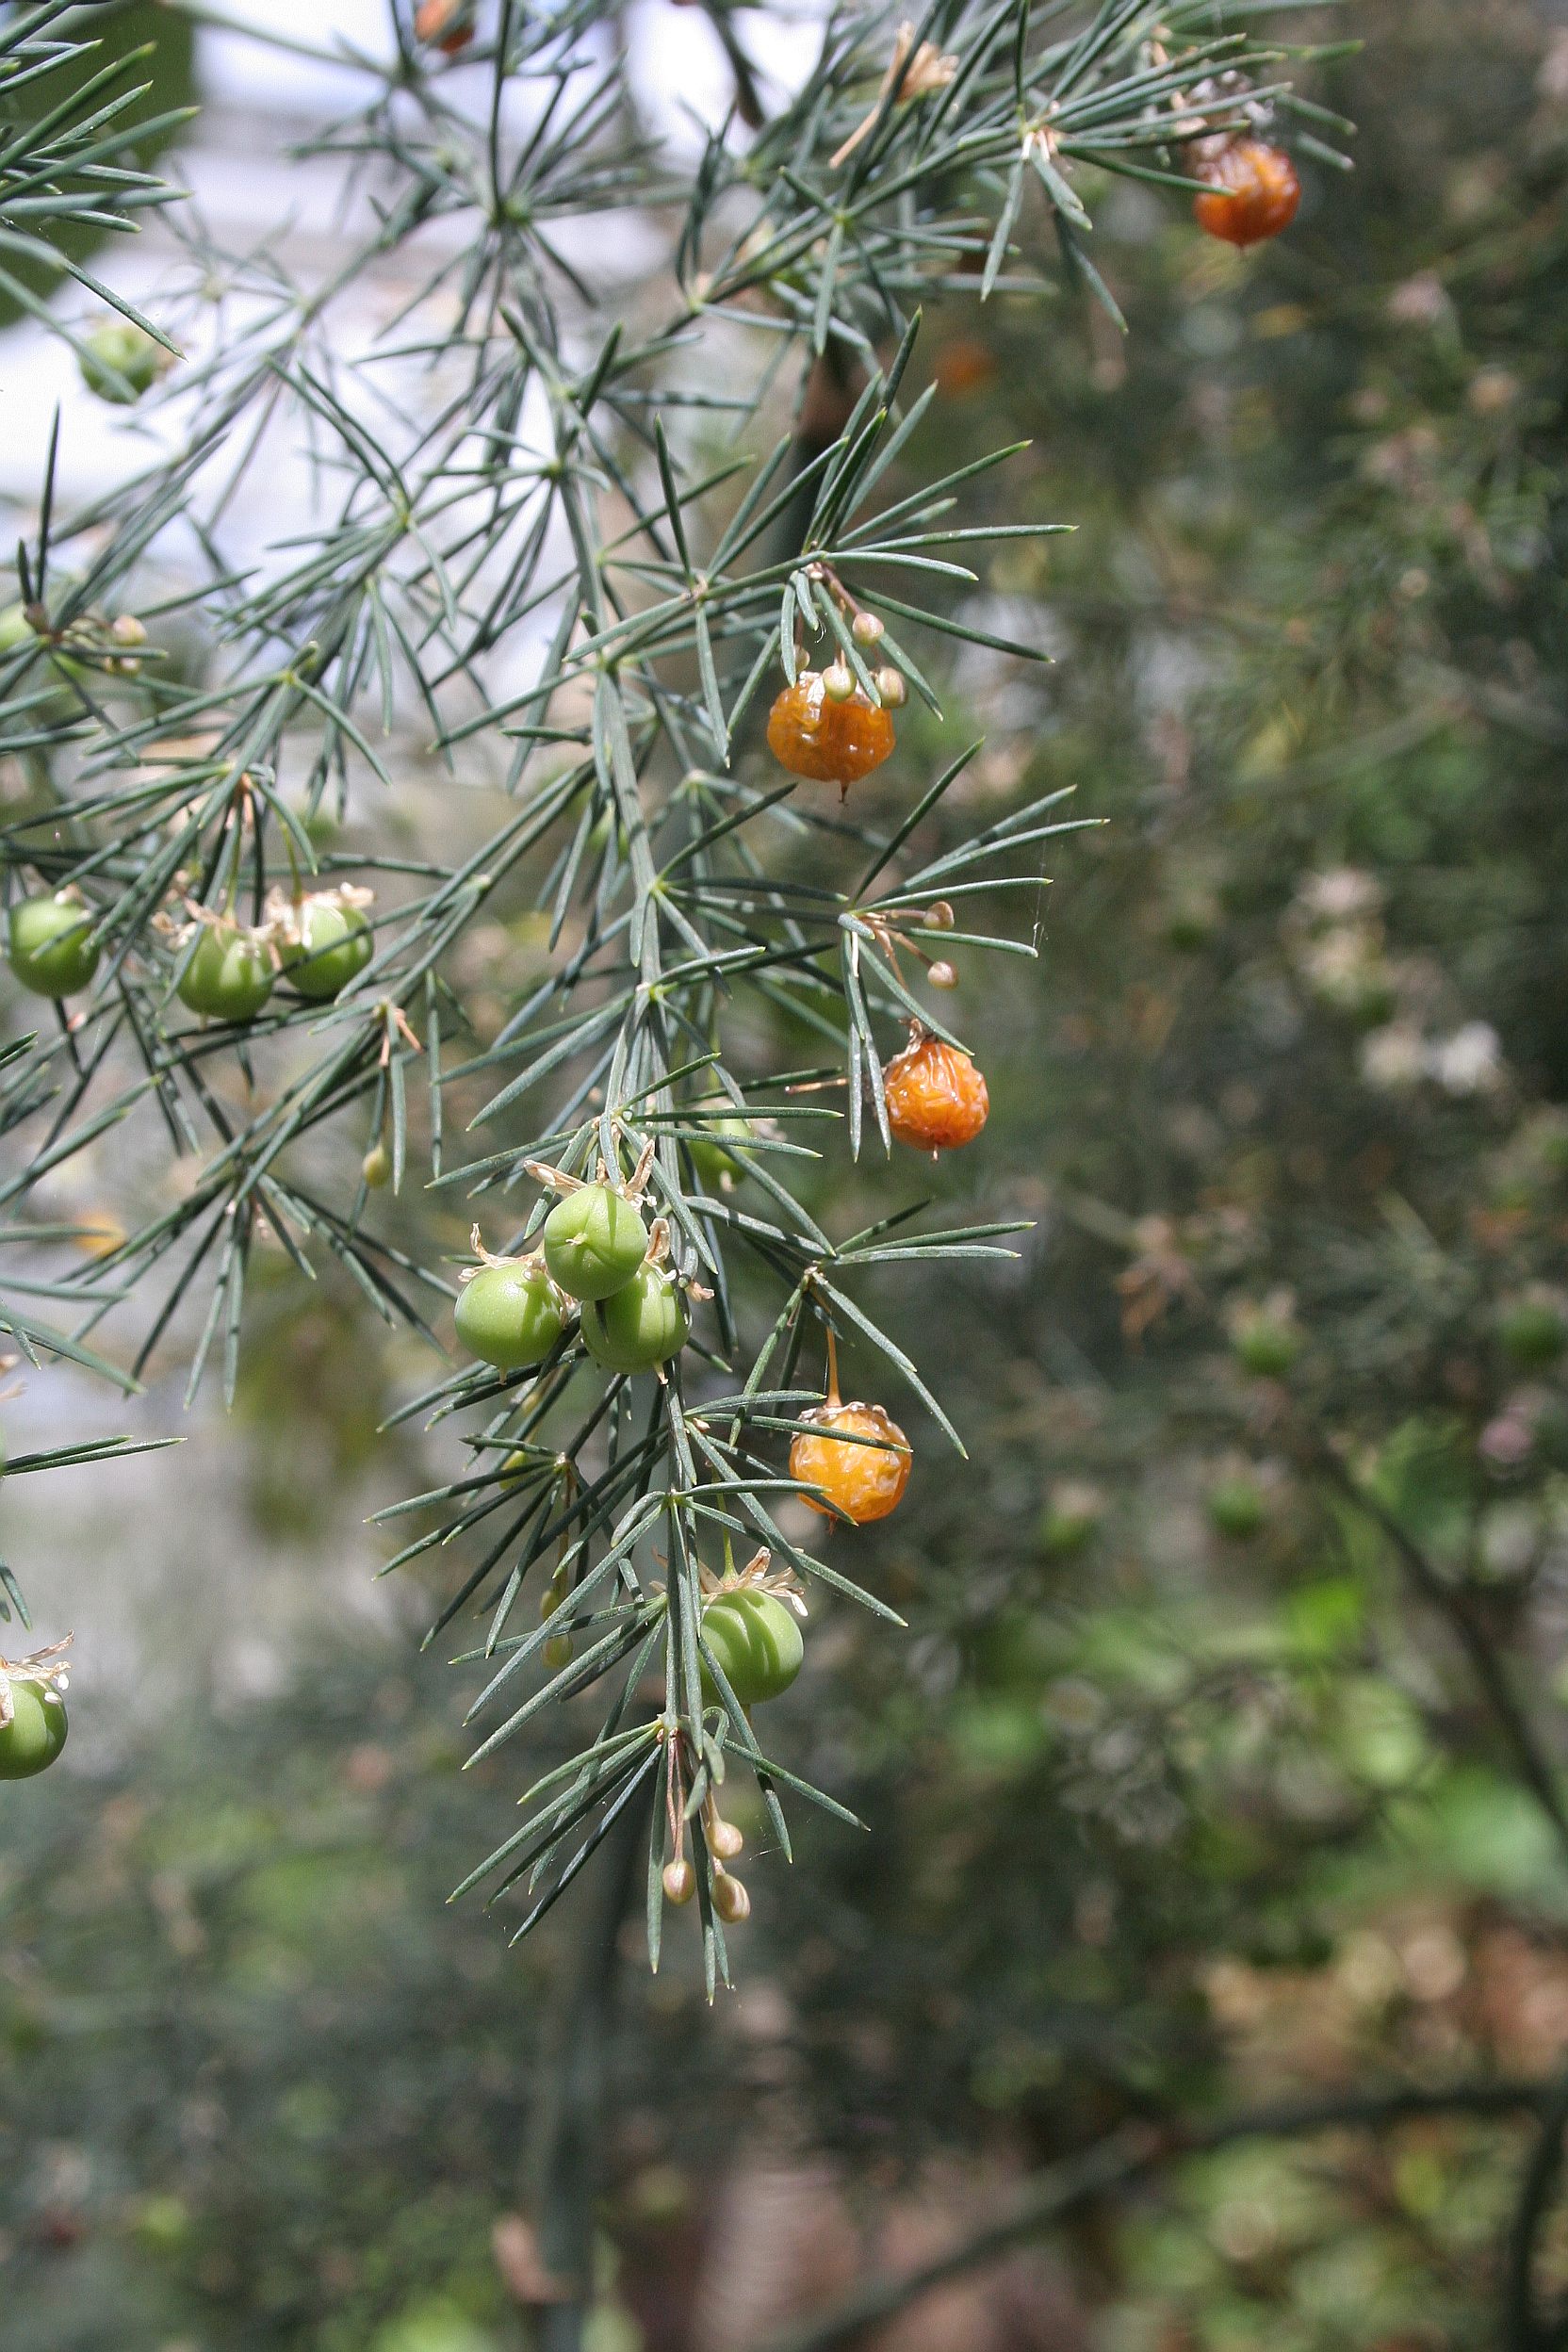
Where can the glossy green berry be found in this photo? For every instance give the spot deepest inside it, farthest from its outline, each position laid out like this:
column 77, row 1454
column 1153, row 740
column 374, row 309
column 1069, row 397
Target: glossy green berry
column 1533, row 1333
column 36, row 1733
column 332, row 947
column 119, row 361
column 757, row 1642
column 643, row 1324
column 593, row 1241
column 511, row 1315
column 53, row 950
column 229, row 975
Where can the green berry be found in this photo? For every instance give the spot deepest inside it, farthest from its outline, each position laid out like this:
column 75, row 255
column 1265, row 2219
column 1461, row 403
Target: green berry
column 333, row 946
column 1238, row 1509
column 36, row 1733
column 53, row 950
column 642, row 1325
column 121, row 362
column 714, row 1153
column 511, row 1315
column 15, row 628
column 229, row 975
column 593, row 1241
column 1266, row 1347
column 1533, row 1334
column 757, row 1642
column 1070, row 1521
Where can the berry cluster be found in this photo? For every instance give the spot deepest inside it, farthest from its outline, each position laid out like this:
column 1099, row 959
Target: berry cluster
column 222, row 969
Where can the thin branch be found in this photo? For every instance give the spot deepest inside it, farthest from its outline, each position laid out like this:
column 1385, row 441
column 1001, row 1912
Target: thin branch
column 1131, row 2154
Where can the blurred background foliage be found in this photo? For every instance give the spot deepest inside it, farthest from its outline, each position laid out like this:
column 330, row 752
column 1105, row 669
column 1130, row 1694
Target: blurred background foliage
column 1222, row 1755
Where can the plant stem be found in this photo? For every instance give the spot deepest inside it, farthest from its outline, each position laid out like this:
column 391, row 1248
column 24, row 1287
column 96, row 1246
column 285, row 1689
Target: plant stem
column 568, row 2140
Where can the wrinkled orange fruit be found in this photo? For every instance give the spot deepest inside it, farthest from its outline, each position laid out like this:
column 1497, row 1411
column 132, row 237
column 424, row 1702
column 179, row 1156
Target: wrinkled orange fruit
column 829, row 742
column 936, row 1099
column 860, row 1480
column 1254, row 193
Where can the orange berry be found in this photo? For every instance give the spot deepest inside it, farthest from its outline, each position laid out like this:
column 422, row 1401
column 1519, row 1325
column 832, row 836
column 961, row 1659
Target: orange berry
column 859, row 1481
column 829, row 742
column 964, row 366
column 936, row 1098
column 1255, row 192
column 446, row 24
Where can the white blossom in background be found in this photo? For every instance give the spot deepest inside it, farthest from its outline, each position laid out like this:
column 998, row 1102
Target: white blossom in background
column 1469, row 1062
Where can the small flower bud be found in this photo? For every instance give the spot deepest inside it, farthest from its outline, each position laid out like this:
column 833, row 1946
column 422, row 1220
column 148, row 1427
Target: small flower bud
column 730, row 1899
column 891, row 690
column 939, row 917
column 942, row 975
column 724, row 1839
column 837, row 682
column 681, row 1882
column 866, row 629
column 128, row 630
column 554, row 1593
column 376, row 1167
column 558, row 1651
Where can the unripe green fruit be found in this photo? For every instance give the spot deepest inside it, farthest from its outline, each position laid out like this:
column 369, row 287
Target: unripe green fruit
column 36, row 1733
column 644, row 1324
column 757, row 1642
column 1533, row 1333
column 1266, row 1348
column 229, row 975
column 118, row 348
column 334, row 947
column 53, row 950
column 593, row 1241
column 1065, row 1531
column 710, row 1157
column 1238, row 1509
column 511, row 1316
column 15, row 627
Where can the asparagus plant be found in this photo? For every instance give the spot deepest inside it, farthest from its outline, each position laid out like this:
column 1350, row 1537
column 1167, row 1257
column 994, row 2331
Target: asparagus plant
column 659, row 548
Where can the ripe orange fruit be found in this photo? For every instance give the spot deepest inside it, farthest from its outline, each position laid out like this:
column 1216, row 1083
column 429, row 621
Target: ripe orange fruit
column 1255, row 192
column 446, row 24
column 859, row 1481
column 936, row 1099
column 829, row 742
